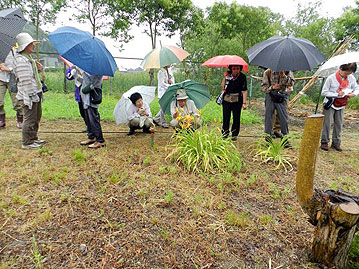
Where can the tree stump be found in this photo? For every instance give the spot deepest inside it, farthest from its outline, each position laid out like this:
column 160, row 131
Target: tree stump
column 335, row 214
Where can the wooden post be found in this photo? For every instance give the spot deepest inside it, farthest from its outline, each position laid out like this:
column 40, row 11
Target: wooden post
column 335, row 219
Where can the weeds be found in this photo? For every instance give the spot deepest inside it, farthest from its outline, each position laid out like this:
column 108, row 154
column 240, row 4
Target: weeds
column 37, row 257
column 169, row 197
column 205, row 150
column 239, row 220
column 273, row 151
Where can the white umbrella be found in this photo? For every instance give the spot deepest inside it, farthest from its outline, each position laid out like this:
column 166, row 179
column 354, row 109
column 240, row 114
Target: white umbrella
column 332, row 65
column 120, row 112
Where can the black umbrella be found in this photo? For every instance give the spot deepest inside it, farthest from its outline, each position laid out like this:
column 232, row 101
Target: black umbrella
column 11, row 23
column 284, row 53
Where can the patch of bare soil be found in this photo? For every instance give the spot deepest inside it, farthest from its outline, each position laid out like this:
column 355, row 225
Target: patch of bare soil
column 127, row 206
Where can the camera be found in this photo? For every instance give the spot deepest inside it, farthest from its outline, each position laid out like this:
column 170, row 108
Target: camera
column 44, row 87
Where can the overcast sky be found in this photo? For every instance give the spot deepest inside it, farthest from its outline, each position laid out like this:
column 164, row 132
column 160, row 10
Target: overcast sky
column 141, row 44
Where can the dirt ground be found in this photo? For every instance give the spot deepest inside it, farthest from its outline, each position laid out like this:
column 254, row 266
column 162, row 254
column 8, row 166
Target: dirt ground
column 128, row 206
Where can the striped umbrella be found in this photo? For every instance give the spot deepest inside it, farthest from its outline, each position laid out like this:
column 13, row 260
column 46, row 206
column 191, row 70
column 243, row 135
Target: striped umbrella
column 11, row 23
column 163, row 56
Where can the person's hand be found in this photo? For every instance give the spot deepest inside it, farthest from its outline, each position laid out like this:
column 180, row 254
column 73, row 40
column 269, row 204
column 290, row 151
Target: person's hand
column 170, row 81
column 39, row 66
column 350, row 95
column 175, row 115
column 289, row 90
column 276, row 86
column 225, row 74
column 244, row 106
column 341, row 93
column 4, row 68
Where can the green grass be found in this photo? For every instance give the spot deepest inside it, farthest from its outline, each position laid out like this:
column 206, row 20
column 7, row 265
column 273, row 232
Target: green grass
column 63, row 106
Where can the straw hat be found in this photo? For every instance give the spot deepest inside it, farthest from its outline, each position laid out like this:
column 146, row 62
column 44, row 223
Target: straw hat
column 23, row 40
column 181, row 94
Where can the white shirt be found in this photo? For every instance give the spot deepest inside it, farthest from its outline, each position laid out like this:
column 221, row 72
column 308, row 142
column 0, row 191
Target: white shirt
column 189, row 109
column 132, row 111
column 331, row 86
column 162, row 78
column 9, row 62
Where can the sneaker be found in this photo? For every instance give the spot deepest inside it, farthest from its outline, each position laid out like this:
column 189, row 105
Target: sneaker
column 31, row 146
column 87, row 142
column 40, row 141
column 97, row 145
column 336, row 147
column 234, row 138
column 277, row 134
column 324, row 146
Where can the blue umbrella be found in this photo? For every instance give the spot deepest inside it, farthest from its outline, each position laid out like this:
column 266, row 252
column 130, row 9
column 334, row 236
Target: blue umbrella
column 84, row 50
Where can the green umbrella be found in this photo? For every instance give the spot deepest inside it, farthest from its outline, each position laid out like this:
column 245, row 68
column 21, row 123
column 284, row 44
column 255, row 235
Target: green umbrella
column 196, row 91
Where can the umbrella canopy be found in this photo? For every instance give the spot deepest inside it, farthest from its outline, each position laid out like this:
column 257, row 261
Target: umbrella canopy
column 196, row 91
column 285, row 54
column 120, row 112
column 163, row 56
column 225, row 61
column 84, row 50
column 332, row 65
column 11, row 23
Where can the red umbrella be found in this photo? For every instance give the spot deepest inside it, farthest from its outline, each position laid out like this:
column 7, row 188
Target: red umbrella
column 225, row 61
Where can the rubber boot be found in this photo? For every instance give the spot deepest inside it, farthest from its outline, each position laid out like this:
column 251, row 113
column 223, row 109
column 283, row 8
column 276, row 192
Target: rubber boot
column 2, row 120
column 19, row 120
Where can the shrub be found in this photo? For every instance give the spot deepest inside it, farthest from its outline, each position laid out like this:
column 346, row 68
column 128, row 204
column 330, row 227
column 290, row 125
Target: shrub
column 205, row 150
column 271, row 150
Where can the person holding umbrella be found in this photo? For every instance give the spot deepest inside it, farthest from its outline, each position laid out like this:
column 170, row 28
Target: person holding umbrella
column 184, row 112
column 8, row 82
column 337, row 89
column 91, row 96
column 29, row 90
column 277, row 86
column 165, row 79
column 234, row 85
column 139, row 114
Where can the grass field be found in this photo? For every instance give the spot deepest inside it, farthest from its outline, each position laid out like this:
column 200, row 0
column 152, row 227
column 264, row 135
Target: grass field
column 129, row 206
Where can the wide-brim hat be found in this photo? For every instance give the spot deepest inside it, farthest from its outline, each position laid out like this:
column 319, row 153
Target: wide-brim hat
column 181, row 94
column 23, row 40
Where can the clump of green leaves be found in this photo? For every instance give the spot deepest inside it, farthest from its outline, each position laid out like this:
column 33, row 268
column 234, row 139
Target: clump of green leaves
column 273, row 151
column 205, row 151
column 37, row 257
column 169, row 197
column 239, row 220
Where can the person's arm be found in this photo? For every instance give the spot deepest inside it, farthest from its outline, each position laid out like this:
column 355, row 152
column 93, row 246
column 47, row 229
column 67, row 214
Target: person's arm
column 162, row 79
column 132, row 112
column 266, row 87
column 329, row 90
column 148, row 110
column 223, row 83
column 173, row 109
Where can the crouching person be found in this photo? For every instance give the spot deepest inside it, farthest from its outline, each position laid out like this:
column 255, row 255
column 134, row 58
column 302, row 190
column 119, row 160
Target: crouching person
column 184, row 112
column 139, row 115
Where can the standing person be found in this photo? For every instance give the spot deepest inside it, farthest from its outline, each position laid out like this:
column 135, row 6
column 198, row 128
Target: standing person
column 8, row 82
column 29, row 90
column 277, row 86
column 92, row 87
column 337, row 89
column 139, row 114
column 234, row 85
column 165, row 79
column 276, row 133
column 77, row 73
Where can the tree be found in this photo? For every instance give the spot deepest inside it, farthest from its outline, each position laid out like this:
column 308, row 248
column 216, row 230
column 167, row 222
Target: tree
column 10, row 4
column 348, row 25
column 101, row 13
column 42, row 12
column 308, row 24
